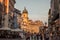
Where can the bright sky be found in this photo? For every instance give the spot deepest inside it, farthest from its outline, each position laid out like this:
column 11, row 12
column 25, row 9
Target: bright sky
column 37, row 9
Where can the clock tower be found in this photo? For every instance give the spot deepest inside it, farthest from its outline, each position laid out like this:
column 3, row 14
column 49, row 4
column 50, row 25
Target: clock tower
column 25, row 16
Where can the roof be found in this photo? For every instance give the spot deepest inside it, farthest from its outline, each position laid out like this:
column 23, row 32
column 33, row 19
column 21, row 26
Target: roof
column 25, row 10
column 17, row 11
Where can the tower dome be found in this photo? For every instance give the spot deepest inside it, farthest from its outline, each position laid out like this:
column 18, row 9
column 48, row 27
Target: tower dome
column 25, row 10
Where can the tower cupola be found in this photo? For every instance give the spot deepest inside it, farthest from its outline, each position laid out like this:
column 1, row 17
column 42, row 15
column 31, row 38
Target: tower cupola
column 25, row 10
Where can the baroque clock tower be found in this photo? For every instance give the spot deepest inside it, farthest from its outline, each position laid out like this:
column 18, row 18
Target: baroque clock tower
column 24, row 22
column 25, row 16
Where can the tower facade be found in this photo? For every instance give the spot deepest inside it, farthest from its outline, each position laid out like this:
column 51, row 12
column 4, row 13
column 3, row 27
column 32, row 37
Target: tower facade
column 24, row 22
column 24, row 16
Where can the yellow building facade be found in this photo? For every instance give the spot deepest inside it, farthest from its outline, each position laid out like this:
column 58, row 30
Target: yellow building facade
column 29, row 25
column 1, row 1
column 24, row 16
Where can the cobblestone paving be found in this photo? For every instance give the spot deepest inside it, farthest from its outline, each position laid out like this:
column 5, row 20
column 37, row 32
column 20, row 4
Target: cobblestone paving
column 10, row 39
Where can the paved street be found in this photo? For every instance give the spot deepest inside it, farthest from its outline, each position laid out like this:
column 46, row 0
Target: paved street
column 10, row 39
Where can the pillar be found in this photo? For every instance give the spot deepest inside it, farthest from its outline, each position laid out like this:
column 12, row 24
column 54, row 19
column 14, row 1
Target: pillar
column 7, row 11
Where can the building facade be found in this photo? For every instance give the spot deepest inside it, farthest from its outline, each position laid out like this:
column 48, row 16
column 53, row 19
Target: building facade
column 1, row 12
column 24, row 16
column 7, row 17
column 54, row 20
column 17, row 18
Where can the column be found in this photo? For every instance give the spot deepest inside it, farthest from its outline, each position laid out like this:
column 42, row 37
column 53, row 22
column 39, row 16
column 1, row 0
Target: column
column 7, row 11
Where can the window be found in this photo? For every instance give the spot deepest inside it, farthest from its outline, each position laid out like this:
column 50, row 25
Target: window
column 9, row 20
column 57, row 28
column 3, row 19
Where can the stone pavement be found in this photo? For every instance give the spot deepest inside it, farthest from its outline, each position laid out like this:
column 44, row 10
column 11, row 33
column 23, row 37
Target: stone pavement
column 10, row 39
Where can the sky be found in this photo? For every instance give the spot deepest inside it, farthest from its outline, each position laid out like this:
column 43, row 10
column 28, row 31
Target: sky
column 37, row 9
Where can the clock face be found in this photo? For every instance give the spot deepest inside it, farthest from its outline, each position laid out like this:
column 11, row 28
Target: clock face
column 24, row 15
